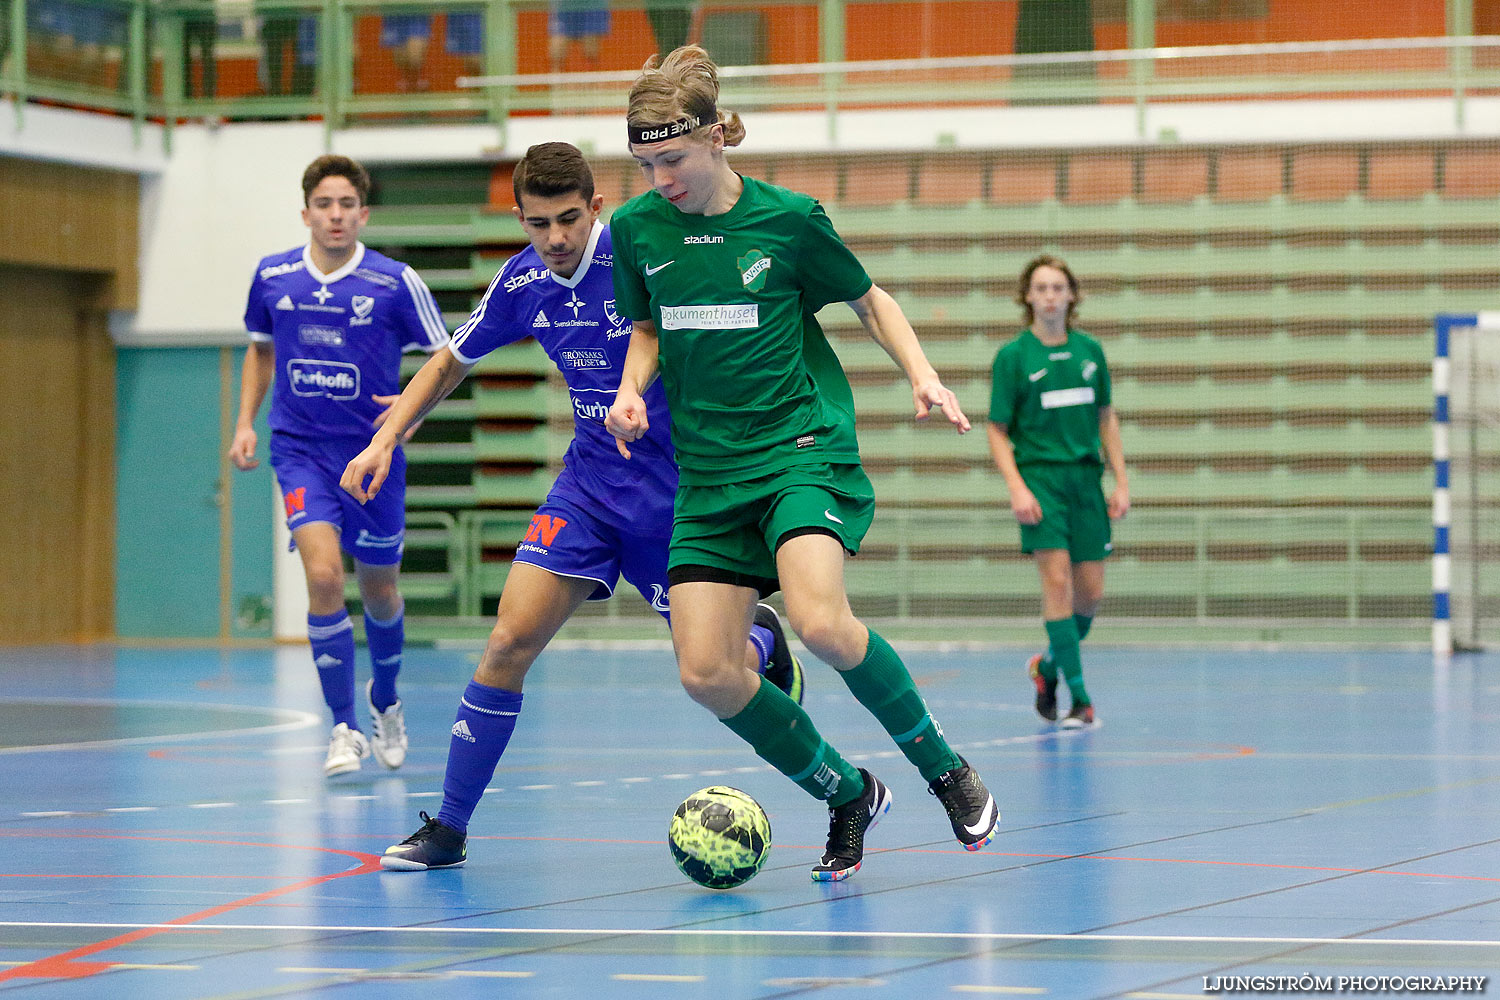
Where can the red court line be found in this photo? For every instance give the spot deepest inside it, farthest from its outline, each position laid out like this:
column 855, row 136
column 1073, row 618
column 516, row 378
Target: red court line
column 65, row 965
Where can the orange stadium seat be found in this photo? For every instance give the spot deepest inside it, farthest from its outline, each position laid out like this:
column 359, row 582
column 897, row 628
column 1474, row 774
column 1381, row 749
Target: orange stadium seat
column 1400, row 173
column 1174, row 176
column 950, row 179
column 501, row 196
column 819, row 178
column 1471, row 173
column 877, row 181
column 1323, row 175
column 1023, row 179
column 1095, row 177
column 1249, row 174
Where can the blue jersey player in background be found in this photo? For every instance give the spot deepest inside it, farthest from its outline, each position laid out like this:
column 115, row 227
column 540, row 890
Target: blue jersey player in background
column 328, row 323
column 604, row 518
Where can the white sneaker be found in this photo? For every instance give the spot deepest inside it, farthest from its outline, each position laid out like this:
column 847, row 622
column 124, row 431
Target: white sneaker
column 387, row 732
column 346, row 748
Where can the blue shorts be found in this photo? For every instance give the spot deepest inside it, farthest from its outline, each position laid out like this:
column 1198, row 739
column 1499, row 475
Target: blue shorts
column 579, row 23
column 465, row 35
column 566, row 540
column 308, row 474
column 396, row 29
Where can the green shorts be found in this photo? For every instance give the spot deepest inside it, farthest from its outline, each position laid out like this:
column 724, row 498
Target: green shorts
column 1075, row 516
column 730, row 533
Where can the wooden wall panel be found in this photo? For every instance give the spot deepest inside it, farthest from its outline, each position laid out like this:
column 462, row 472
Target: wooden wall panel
column 56, row 459
column 75, row 219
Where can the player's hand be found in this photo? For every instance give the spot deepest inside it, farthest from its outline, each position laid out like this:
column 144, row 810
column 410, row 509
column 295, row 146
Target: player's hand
column 242, row 450
column 1023, row 504
column 931, row 392
column 374, row 464
column 626, row 419
column 1119, row 502
column 389, row 402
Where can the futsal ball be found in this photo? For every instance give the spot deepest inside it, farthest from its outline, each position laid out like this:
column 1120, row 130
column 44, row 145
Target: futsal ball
column 719, row 837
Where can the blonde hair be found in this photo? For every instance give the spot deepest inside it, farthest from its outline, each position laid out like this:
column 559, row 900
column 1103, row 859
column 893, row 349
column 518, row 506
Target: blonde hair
column 684, row 84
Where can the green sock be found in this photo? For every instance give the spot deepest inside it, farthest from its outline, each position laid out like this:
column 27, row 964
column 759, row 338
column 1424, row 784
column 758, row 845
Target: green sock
column 784, row 737
column 1084, row 623
column 1063, row 636
column 883, row 685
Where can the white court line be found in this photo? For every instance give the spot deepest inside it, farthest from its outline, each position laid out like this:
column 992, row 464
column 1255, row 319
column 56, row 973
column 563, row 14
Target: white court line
column 295, row 720
column 704, row 932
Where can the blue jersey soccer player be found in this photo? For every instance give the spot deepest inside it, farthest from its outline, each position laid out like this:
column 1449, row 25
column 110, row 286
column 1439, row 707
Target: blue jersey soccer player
column 328, row 323
column 604, row 518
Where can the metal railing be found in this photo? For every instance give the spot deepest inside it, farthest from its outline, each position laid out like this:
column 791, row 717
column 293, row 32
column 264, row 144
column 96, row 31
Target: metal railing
column 188, row 59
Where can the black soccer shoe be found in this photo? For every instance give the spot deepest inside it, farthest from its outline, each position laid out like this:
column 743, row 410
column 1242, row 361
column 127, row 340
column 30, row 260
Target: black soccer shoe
column 1046, row 691
column 971, row 808
column 783, row 669
column 435, row 845
column 846, row 830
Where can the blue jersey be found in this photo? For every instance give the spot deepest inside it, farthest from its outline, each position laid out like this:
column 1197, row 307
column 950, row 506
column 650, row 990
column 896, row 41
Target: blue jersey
column 574, row 320
column 338, row 338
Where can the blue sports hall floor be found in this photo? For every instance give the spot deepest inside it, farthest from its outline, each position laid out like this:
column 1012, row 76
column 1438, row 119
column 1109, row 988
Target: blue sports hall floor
column 168, row 832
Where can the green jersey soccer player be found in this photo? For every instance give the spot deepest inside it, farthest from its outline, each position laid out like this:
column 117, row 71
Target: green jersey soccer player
column 1051, row 413
column 720, row 276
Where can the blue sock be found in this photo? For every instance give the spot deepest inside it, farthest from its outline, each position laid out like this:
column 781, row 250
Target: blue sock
column 765, row 642
column 332, row 638
column 486, row 718
column 385, row 640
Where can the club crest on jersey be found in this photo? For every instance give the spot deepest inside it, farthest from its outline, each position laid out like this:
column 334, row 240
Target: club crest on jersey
column 614, row 320
column 753, row 267
column 1089, row 367
column 363, row 307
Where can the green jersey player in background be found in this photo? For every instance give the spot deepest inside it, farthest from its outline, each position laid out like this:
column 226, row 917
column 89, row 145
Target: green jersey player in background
column 1051, row 411
column 721, row 275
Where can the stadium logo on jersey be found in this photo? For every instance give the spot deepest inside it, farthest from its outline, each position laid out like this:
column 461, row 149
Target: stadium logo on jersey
column 1059, row 355
column 541, row 320
column 285, row 303
column 325, row 336
column 740, row 316
column 659, row 598
column 579, row 359
column 1058, row 398
column 753, row 267
column 691, row 240
column 334, row 379
column 525, row 278
column 1089, row 367
column 275, row 269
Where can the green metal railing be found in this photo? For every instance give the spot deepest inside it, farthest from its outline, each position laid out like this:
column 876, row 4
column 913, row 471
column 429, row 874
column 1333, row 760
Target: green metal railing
column 130, row 57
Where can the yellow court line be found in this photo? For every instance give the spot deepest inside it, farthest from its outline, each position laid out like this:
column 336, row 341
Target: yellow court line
column 1164, row 996
column 1030, row 990
column 322, row 972
column 637, row 977
column 481, row 974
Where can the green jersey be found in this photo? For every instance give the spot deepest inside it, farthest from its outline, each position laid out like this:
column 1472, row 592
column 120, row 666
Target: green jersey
column 751, row 381
column 1048, row 398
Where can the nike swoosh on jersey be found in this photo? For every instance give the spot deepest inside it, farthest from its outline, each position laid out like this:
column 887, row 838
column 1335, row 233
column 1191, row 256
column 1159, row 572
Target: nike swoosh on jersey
column 829, row 514
column 1033, row 376
column 652, row 270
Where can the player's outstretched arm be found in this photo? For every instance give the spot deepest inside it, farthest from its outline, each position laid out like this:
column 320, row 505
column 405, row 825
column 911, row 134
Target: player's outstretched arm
column 433, row 382
column 627, row 416
column 1114, row 457
column 255, row 381
column 888, row 326
column 1023, row 503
